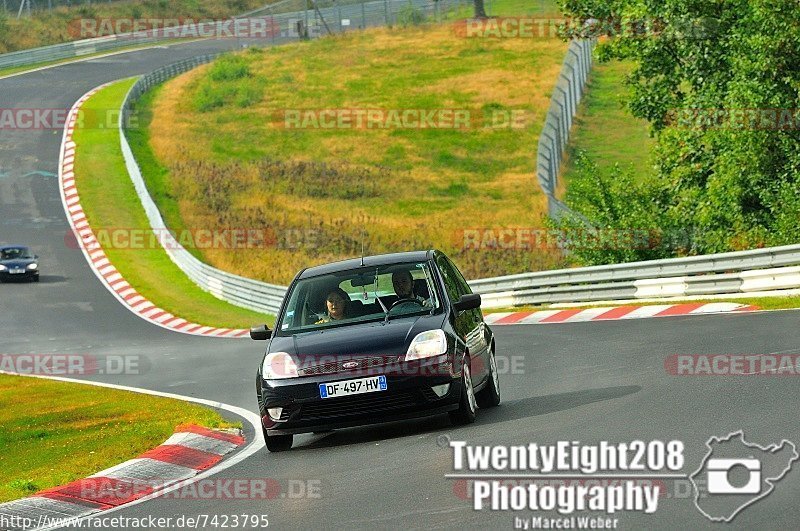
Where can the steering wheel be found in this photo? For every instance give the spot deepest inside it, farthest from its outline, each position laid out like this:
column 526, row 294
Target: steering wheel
column 406, row 301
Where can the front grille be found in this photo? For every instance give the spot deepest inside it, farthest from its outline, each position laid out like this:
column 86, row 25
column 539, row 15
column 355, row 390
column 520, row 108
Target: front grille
column 359, row 405
column 429, row 395
column 334, row 367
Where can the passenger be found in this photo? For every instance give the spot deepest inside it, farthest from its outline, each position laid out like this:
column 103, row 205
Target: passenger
column 337, row 306
column 403, row 284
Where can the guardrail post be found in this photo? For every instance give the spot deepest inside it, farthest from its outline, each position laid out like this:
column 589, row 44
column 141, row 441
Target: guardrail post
column 363, row 16
column 306, row 31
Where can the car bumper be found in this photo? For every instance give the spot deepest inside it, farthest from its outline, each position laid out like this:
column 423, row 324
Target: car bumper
column 408, row 395
column 5, row 276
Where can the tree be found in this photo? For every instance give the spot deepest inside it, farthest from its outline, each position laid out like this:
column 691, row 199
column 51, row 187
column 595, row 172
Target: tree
column 719, row 83
column 480, row 9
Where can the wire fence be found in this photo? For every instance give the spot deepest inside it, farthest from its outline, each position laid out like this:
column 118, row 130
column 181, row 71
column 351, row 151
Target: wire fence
column 553, row 140
column 272, row 24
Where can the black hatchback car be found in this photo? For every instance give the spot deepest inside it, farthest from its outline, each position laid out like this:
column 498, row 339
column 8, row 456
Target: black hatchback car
column 373, row 340
column 17, row 262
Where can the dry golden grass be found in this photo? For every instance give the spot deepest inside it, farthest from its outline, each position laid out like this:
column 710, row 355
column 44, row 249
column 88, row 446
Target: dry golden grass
column 420, row 189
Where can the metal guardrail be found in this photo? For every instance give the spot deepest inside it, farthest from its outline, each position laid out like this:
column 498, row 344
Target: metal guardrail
column 736, row 272
column 567, row 94
column 245, row 292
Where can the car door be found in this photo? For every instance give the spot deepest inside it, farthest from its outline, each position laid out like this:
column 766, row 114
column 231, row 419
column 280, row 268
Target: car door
column 469, row 324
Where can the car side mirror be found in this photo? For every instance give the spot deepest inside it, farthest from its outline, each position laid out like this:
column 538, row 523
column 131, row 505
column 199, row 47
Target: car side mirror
column 36, row 257
column 260, row 333
column 468, row 302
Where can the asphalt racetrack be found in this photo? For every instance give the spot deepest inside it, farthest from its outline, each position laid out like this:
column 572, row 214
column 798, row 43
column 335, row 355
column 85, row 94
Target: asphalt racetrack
column 573, row 382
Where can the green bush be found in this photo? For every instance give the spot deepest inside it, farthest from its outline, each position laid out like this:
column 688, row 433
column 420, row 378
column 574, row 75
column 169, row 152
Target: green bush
column 230, row 82
column 705, row 81
column 626, row 223
column 230, row 68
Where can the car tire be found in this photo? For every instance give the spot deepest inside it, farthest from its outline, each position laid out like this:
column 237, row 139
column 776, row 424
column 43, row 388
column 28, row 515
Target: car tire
column 278, row 443
column 465, row 414
column 489, row 396
column 36, row 278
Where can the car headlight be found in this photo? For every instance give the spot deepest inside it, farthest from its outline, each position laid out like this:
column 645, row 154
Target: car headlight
column 32, row 267
column 427, row 345
column 277, row 366
column 2, row 267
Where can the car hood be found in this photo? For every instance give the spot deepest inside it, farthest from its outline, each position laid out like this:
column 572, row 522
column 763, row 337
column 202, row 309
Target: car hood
column 360, row 340
column 18, row 262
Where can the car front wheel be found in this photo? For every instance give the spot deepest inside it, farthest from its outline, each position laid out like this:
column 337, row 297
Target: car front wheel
column 465, row 414
column 277, row 443
column 489, row 396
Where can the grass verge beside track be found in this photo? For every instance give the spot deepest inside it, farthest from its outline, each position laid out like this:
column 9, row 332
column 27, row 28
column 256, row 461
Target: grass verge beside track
column 110, row 201
column 605, row 129
column 56, row 432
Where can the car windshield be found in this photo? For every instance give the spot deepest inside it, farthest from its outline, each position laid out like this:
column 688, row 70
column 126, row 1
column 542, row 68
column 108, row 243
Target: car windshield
column 359, row 295
column 14, row 253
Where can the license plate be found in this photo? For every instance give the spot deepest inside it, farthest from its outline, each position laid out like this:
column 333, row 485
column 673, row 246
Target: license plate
column 16, row 271
column 352, row 387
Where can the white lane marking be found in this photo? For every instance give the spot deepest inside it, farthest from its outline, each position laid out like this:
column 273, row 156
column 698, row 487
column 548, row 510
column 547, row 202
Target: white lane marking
column 537, row 317
column 647, row 311
column 200, row 442
column 586, row 315
column 494, row 317
column 714, row 307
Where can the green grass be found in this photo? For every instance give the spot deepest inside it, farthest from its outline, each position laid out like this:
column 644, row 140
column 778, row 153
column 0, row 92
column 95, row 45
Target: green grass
column 109, row 200
column 506, row 8
column 605, row 129
column 56, row 432
column 788, row 302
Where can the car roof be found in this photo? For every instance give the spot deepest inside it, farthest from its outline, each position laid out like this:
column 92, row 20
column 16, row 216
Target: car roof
column 4, row 247
column 369, row 261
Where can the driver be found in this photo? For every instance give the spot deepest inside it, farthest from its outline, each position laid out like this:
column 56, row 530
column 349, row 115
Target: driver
column 404, row 287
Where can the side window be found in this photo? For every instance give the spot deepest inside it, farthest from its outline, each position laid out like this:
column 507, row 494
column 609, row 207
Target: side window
column 450, row 276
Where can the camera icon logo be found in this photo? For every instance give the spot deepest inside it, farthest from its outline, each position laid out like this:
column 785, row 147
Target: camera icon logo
column 735, row 474
column 718, row 481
